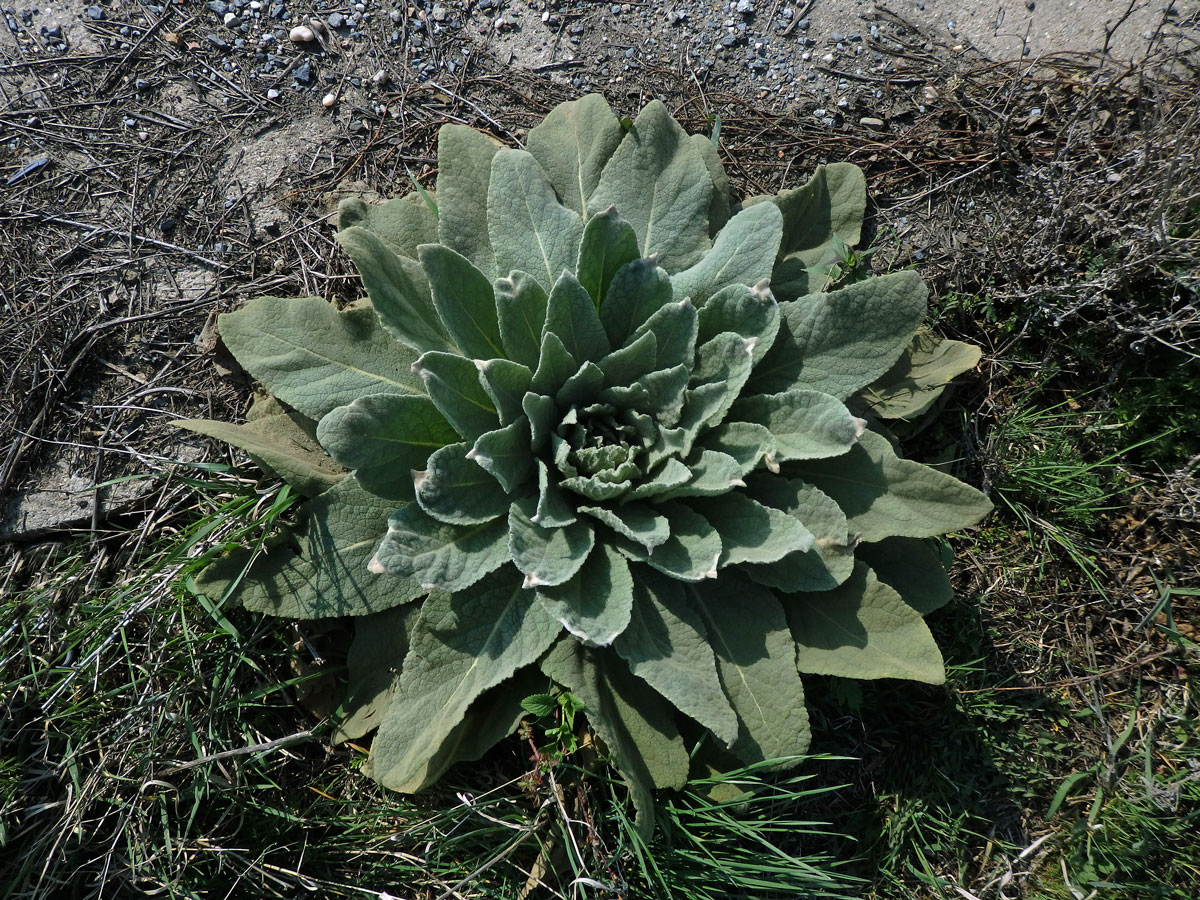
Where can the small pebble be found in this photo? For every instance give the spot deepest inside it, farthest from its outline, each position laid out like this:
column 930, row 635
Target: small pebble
column 231, row 20
column 336, row 20
column 95, row 12
column 301, row 34
column 328, row 100
column 272, row 94
column 871, row 122
column 745, row 7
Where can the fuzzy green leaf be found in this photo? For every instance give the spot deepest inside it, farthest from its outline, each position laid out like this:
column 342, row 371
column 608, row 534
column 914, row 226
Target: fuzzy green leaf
column 457, row 490
column 455, row 389
column 756, row 659
column 631, row 362
column 530, row 230
column 919, row 377
column 464, row 300
column 449, row 557
column 804, row 424
column 553, row 510
column 572, row 144
column 372, row 662
column 712, row 473
column 398, row 290
column 751, row 532
column 383, row 437
column 669, row 476
column 402, row 224
column 278, row 444
column 666, row 646
column 718, row 207
column 674, row 326
column 840, row 342
column 636, row 521
column 635, row 724
column 505, row 454
column 461, row 645
column 886, row 496
column 521, row 309
column 745, row 442
column 546, row 556
column 749, row 311
column 608, row 244
column 830, row 560
column 464, row 173
column 912, row 568
column 831, row 204
column 506, row 382
column 743, row 254
column 689, row 554
column 555, row 366
column 313, row 357
column 862, row 629
column 658, row 181
column 595, row 604
column 638, row 290
column 721, row 369
column 326, row 573
column 571, row 317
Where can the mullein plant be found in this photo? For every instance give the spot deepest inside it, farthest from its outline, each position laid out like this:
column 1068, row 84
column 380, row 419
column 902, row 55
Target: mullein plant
column 596, row 426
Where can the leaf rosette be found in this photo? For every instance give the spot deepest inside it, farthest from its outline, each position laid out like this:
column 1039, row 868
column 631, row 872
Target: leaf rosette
column 592, row 424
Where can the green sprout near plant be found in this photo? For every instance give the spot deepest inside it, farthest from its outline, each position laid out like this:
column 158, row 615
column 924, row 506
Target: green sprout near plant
column 593, row 423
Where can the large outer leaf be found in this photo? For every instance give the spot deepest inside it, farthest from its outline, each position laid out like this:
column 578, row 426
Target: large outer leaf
column 493, row 716
column 635, row 724
column 884, row 496
column 280, row 445
column 464, row 301
column 327, row 575
column 572, row 144
column 840, row 342
column 402, row 224
column 831, row 203
column 912, row 568
column 743, row 253
column 667, row 647
column 373, row 663
column 313, row 357
column 530, row 230
column 383, row 437
column 595, row 605
column 464, row 171
column 919, row 377
column 461, row 645
column 398, row 291
column 756, row 659
column 659, row 183
column 862, row 629
column 450, row 557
